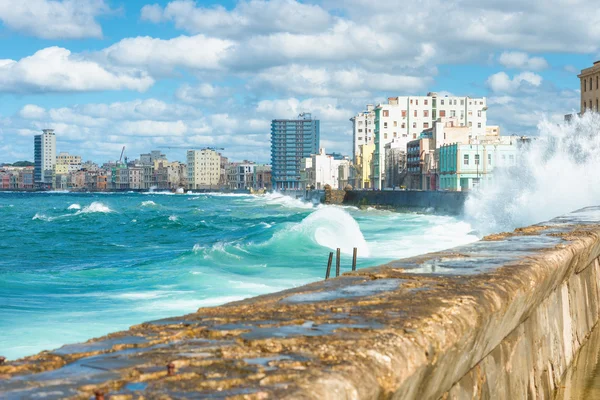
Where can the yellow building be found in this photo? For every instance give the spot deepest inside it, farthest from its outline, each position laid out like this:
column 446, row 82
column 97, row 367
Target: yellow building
column 364, row 165
column 590, row 87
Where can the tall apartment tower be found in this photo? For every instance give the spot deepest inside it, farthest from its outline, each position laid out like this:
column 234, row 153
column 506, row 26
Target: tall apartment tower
column 291, row 141
column 203, row 169
column 44, row 157
column 590, row 88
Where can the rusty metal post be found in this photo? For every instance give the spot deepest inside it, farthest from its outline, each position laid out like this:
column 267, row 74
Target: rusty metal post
column 329, row 265
column 170, row 369
column 99, row 395
column 354, row 259
column 337, row 263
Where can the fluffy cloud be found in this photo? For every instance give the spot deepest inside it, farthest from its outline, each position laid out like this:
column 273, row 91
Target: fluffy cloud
column 310, row 81
column 55, row 69
column 201, row 92
column 48, row 19
column 321, row 108
column 254, row 16
column 31, row 111
column 520, row 60
column 501, row 82
column 193, row 52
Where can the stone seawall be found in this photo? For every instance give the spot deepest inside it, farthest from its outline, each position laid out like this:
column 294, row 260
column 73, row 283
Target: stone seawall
column 502, row 318
column 446, row 202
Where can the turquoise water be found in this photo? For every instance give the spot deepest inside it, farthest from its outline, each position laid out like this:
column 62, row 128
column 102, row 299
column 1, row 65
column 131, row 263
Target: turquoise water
column 77, row 266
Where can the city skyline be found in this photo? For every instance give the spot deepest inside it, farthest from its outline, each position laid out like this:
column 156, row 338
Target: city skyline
column 132, row 74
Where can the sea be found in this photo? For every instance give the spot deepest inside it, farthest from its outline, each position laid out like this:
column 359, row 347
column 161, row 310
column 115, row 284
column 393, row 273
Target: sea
column 75, row 266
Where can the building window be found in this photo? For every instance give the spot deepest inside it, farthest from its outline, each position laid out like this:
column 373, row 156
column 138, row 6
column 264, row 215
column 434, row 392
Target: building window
column 585, row 85
column 395, row 123
column 489, row 159
column 470, row 124
column 417, row 102
column 442, row 113
column 453, row 113
column 479, row 124
column 386, row 113
column 442, row 101
column 403, row 113
column 415, row 113
column 590, row 104
column 414, row 124
column 403, row 125
column 466, row 159
column 425, row 125
column 385, row 135
column 425, row 101
column 395, row 134
column 591, row 84
column 476, row 159
column 426, row 113
column 462, row 102
column 385, row 124
column 454, row 101
column 597, row 105
column 411, row 101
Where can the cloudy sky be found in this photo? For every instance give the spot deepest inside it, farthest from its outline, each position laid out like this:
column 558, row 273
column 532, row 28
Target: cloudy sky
column 108, row 73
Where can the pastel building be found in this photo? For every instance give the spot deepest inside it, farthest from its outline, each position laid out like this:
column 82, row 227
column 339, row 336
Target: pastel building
column 590, row 88
column 323, row 169
column 203, row 169
column 292, row 140
column 463, row 167
column 404, row 118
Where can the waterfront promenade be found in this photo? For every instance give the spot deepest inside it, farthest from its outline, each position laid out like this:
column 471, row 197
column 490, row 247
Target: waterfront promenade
column 501, row 318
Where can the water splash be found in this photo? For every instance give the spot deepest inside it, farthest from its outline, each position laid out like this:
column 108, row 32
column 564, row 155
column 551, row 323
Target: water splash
column 95, row 207
column 148, row 203
column 555, row 174
column 74, row 206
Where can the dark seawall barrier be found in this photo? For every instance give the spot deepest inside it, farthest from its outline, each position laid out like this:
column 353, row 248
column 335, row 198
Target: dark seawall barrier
column 502, row 318
column 445, row 202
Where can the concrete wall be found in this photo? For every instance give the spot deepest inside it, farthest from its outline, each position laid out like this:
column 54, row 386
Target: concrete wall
column 498, row 319
column 447, row 202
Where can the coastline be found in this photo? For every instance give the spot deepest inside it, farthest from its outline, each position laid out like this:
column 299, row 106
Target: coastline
column 410, row 327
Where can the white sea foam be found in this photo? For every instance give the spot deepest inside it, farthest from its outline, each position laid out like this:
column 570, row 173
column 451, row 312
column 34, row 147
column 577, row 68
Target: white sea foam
column 173, row 218
column 556, row 174
column 95, row 207
column 276, row 198
column 41, row 217
column 148, row 203
column 74, row 206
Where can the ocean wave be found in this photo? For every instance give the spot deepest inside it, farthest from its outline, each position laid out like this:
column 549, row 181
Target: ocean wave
column 95, row 207
column 173, row 218
column 279, row 199
column 74, row 206
column 148, row 203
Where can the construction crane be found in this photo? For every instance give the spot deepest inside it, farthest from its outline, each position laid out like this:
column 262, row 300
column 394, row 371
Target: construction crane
column 121, row 158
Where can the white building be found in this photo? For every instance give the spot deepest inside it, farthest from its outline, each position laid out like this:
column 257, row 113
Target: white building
column 44, row 157
column 363, row 126
column 203, row 168
column 404, row 118
column 323, row 169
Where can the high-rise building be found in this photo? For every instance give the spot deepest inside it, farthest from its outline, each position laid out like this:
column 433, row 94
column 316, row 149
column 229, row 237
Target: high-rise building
column 44, row 157
column 203, row 169
column 404, row 118
column 292, row 140
column 590, row 87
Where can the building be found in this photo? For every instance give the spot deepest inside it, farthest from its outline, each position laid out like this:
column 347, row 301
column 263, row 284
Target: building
column 291, row 142
column 363, row 125
column 323, row 169
column 262, row 177
column 73, row 163
column 463, row 167
column 44, row 157
column 420, row 163
column 590, row 87
column 203, row 169
column 395, row 163
column 363, row 167
column 404, row 118
column 240, row 175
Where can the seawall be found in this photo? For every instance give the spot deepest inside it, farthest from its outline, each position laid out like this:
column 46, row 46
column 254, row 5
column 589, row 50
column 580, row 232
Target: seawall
column 444, row 202
column 502, row 318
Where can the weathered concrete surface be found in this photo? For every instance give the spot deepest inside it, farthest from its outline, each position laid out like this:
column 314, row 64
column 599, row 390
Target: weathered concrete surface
column 447, row 202
column 501, row 319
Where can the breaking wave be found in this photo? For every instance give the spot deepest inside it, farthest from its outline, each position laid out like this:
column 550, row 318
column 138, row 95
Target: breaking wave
column 555, row 174
column 74, row 207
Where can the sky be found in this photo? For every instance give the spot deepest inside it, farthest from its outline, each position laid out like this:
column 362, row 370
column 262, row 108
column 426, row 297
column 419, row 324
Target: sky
column 180, row 74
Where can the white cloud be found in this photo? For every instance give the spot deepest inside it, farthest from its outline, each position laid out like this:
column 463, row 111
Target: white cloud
column 51, row 19
column 520, row 60
column 501, row 82
column 201, row 92
column 193, row 52
column 254, row 16
column 31, row 111
column 321, row 108
column 311, row 81
column 152, row 128
column 55, row 69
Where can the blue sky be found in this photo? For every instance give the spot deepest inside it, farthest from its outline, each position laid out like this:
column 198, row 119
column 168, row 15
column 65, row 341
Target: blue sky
column 180, row 73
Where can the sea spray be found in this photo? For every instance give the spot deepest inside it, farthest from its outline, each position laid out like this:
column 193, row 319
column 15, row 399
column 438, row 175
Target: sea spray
column 554, row 175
